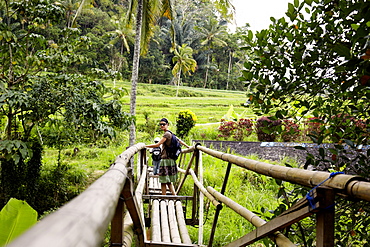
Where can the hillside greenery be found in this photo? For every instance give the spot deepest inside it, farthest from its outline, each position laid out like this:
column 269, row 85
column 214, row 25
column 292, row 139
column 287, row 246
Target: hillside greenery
column 65, row 67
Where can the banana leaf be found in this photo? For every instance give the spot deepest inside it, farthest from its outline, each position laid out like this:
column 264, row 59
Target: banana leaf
column 15, row 218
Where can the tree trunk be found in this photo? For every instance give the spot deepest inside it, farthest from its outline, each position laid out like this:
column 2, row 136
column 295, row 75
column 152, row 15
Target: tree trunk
column 135, row 70
column 206, row 78
column 229, row 69
column 178, row 81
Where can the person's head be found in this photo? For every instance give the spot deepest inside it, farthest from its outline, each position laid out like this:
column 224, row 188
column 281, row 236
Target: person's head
column 163, row 123
column 157, row 139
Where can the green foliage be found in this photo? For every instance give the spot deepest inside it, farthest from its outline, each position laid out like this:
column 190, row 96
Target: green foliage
column 59, row 184
column 267, row 128
column 20, row 173
column 15, row 218
column 185, row 121
column 321, row 65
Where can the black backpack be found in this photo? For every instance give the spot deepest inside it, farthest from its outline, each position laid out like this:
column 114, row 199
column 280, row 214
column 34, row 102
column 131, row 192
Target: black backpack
column 156, row 153
column 173, row 151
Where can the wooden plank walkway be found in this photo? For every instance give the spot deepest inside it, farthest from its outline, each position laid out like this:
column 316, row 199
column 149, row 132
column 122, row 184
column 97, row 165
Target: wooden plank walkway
column 168, row 226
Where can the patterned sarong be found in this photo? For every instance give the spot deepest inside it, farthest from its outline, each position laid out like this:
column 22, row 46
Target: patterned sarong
column 167, row 171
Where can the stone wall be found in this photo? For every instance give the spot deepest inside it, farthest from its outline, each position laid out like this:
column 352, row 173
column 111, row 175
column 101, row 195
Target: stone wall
column 262, row 150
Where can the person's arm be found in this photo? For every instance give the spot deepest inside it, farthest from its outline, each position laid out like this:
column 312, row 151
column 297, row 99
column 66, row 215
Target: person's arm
column 183, row 143
column 156, row 144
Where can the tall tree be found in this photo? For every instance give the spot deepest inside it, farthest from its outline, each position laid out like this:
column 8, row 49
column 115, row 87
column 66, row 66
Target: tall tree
column 148, row 11
column 184, row 63
column 213, row 33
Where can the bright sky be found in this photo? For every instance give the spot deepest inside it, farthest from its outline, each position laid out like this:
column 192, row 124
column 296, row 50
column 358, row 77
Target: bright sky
column 258, row 12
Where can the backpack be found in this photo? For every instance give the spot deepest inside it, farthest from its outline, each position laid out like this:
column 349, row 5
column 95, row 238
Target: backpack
column 156, row 153
column 174, row 150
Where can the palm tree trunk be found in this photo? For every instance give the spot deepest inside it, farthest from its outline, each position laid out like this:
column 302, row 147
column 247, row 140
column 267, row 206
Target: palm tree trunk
column 206, row 78
column 178, row 81
column 229, row 69
column 135, row 70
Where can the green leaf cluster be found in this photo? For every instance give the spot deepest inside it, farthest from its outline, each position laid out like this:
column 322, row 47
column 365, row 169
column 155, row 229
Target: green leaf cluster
column 15, row 218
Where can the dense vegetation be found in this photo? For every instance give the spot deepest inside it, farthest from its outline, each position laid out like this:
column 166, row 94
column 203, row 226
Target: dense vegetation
column 63, row 63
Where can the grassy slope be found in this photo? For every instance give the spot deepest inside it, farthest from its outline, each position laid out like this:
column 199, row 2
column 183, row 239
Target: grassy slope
column 161, row 101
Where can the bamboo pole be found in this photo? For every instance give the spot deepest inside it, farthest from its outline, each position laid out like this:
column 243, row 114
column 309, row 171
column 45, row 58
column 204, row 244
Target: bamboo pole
column 174, row 229
column 348, row 184
column 128, row 231
column 201, row 199
column 139, row 194
column 165, row 229
column 182, row 225
column 84, row 220
column 186, row 173
column 215, row 219
column 279, row 238
column 156, row 225
column 201, row 188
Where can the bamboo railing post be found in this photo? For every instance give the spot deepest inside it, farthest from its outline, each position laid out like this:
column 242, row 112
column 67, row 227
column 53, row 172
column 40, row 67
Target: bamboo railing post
column 195, row 189
column 218, row 209
column 325, row 218
column 201, row 201
column 134, row 211
column 116, row 234
column 186, row 173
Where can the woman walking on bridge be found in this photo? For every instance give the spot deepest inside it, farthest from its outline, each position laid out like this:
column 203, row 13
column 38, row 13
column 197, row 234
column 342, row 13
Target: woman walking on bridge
column 167, row 168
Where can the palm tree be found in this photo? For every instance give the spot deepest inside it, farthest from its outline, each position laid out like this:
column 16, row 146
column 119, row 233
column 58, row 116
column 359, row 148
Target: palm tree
column 213, row 35
column 184, row 63
column 123, row 35
column 74, row 8
column 147, row 13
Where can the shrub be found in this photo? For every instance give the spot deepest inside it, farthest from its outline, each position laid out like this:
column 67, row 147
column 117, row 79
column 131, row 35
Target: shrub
column 344, row 126
column 227, row 128
column 185, row 121
column 313, row 126
column 267, row 129
column 291, row 131
column 244, row 129
column 237, row 130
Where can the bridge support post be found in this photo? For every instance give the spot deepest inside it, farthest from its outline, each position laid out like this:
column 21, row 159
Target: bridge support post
column 116, row 235
column 218, row 209
column 134, row 210
column 325, row 218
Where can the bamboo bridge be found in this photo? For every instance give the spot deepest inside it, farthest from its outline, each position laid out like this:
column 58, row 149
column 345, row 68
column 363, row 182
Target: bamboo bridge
column 127, row 199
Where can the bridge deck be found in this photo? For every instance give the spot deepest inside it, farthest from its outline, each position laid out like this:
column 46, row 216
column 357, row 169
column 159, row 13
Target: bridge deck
column 168, row 226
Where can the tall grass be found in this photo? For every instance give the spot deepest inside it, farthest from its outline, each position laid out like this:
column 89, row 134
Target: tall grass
column 253, row 191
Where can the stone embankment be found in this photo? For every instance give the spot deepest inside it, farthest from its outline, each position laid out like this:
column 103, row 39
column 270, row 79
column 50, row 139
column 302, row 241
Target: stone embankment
column 268, row 150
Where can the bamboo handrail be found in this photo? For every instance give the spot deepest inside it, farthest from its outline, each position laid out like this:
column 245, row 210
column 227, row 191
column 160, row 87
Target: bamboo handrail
column 348, row 184
column 84, row 220
column 279, row 238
